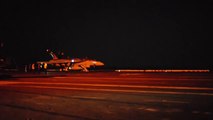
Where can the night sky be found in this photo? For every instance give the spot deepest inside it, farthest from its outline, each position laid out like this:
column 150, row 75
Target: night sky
column 153, row 34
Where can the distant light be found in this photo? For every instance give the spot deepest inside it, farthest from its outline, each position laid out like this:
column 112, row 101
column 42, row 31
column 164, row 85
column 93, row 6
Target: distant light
column 72, row 60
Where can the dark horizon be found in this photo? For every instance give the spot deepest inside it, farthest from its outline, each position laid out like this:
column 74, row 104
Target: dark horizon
column 121, row 34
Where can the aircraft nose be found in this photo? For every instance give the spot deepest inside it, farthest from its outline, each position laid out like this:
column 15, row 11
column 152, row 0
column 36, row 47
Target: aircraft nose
column 99, row 63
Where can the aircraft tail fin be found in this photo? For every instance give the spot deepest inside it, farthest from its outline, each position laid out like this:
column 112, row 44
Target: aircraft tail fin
column 53, row 55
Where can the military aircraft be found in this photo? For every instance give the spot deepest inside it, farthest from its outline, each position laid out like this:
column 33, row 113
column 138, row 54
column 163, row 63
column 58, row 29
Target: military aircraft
column 71, row 64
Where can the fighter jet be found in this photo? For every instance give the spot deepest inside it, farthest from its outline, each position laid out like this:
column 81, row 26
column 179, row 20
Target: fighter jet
column 71, row 64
